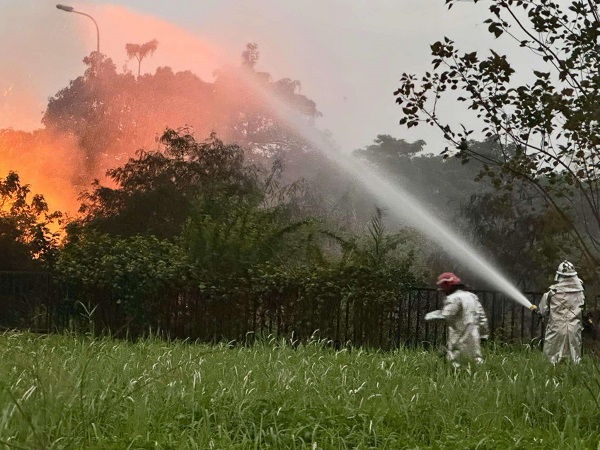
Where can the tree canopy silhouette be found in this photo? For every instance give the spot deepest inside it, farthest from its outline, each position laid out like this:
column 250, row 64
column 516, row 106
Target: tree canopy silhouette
column 110, row 114
column 140, row 51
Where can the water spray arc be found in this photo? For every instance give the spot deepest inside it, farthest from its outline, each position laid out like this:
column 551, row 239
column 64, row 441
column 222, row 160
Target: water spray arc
column 400, row 203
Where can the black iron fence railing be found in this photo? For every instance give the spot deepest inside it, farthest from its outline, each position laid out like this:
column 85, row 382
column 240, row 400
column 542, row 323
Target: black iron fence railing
column 26, row 300
column 400, row 321
column 31, row 300
column 508, row 321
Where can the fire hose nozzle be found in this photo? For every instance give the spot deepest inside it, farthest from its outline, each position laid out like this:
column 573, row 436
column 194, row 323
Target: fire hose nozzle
column 534, row 309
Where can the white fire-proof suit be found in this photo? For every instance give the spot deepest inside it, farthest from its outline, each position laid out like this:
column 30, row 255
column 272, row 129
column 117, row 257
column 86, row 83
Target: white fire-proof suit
column 561, row 308
column 467, row 324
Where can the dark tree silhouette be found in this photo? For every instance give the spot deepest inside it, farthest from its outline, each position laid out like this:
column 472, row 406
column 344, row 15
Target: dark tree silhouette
column 26, row 241
column 140, row 51
column 110, row 115
column 250, row 55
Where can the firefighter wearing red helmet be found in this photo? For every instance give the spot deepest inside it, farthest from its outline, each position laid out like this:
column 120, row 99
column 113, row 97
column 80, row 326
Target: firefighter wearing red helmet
column 465, row 317
column 446, row 280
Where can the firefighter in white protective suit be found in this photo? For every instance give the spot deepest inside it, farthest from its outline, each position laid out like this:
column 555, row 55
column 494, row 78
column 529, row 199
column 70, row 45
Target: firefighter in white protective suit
column 561, row 309
column 465, row 318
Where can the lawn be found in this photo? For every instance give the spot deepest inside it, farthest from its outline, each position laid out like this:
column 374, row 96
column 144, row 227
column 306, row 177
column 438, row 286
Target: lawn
column 74, row 392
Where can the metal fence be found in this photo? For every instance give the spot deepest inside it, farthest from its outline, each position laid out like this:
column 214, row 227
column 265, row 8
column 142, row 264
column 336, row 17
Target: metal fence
column 508, row 321
column 30, row 300
column 26, row 300
column 400, row 321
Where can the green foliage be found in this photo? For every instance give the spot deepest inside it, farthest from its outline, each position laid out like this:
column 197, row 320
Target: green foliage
column 230, row 234
column 156, row 191
column 546, row 129
column 377, row 249
column 26, row 240
column 138, row 272
column 521, row 233
column 61, row 391
column 441, row 182
column 193, row 228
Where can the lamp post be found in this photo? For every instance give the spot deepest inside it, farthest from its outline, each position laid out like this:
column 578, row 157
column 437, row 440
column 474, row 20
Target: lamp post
column 72, row 10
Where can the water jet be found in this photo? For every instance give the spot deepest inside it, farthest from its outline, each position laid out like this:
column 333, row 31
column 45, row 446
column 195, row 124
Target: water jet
column 399, row 203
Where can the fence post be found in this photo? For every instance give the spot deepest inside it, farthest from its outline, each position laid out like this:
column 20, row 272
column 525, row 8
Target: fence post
column 512, row 321
column 522, row 324
column 427, row 327
column 418, row 310
column 435, row 325
column 408, row 313
column 398, row 318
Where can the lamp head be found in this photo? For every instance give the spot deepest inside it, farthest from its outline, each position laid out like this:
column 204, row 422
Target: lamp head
column 65, row 8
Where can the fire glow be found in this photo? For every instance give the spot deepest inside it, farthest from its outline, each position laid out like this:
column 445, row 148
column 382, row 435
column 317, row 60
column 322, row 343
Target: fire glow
column 52, row 163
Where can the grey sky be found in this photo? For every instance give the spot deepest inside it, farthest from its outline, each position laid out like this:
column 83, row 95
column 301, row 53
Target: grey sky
column 348, row 54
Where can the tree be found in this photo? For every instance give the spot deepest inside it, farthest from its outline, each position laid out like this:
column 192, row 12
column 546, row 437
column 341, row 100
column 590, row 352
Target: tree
column 250, row 55
column 442, row 183
column 26, row 240
column 95, row 110
column 520, row 233
column 110, row 114
column 155, row 192
column 547, row 131
column 249, row 119
column 387, row 150
column 379, row 248
column 140, row 51
column 234, row 234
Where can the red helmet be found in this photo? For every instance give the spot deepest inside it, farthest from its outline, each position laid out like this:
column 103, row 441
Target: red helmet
column 447, row 279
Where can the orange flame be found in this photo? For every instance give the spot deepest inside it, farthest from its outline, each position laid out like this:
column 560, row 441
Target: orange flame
column 47, row 163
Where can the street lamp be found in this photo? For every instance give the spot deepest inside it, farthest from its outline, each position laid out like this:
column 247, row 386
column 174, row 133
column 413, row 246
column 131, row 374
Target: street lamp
column 72, row 10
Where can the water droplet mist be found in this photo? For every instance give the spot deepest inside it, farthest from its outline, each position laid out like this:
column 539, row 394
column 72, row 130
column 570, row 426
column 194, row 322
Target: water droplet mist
column 400, row 204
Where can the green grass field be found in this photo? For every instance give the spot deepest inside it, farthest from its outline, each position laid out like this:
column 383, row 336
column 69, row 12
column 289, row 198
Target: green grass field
column 69, row 392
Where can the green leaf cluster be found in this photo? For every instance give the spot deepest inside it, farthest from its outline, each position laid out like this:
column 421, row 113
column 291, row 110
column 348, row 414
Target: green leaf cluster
column 28, row 230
